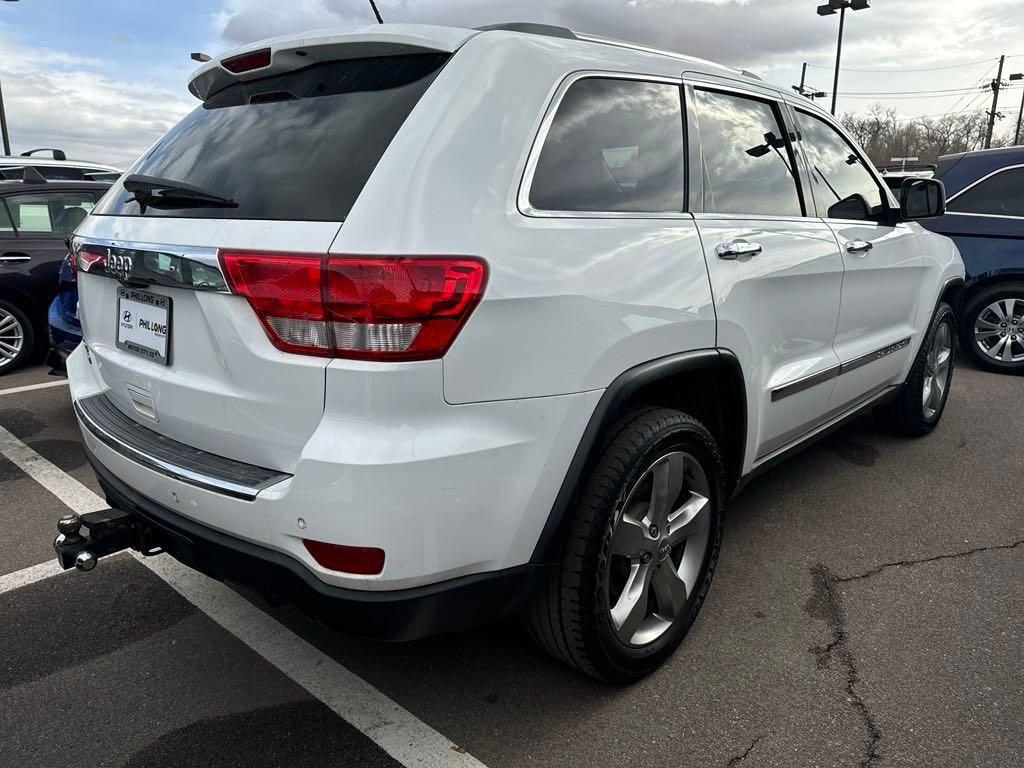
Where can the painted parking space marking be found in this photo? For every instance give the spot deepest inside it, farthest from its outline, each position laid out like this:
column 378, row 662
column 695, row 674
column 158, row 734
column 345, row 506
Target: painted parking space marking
column 29, row 575
column 396, row 730
column 32, row 387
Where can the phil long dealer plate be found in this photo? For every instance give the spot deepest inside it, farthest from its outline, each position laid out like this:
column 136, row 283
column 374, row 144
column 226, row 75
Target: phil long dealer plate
column 144, row 323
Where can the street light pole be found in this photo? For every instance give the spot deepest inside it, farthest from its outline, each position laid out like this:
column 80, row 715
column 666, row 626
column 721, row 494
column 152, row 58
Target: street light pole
column 839, row 58
column 829, row 9
column 1020, row 115
column 376, row 12
column 3, row 125
column 996, row 85
column 3, row 115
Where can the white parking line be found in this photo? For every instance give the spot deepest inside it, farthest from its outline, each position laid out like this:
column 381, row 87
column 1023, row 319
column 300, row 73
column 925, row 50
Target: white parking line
column 29, row 575
column 397, row 731
column 31, row 387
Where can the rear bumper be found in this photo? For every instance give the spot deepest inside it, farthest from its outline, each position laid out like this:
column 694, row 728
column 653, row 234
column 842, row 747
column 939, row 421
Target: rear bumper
column 397, row 615
column 446, row 491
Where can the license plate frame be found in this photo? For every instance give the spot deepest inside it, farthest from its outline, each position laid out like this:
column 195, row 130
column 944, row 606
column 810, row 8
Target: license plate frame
column 138, row 324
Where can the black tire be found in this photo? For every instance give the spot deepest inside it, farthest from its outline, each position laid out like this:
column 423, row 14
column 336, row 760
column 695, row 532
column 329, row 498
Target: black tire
column 571, row 617
column 28, row 338
column 907, row 414
column 975, row 306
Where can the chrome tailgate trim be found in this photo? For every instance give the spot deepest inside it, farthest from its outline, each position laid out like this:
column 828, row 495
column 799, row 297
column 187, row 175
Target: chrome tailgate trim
column 169, row 457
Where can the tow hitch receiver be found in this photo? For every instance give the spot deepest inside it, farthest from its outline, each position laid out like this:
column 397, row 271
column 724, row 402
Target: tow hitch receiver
column 106, row 532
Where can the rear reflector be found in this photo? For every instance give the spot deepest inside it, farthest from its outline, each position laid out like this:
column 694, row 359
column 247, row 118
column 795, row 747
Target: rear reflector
column 246, row 62
column 365, row 308
column 364, row 561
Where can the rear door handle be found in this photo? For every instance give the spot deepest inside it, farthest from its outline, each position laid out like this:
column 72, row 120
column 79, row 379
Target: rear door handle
column 13, row 257
column 737, row 248
column 859, row 246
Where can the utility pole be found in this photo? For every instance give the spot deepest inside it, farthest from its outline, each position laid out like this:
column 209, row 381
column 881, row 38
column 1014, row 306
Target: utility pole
column 996, row 85
column 1020, row 116
column 376, row 12
column 805, row 90
column 3, row 125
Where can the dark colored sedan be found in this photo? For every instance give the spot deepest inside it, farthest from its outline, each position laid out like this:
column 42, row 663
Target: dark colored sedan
column 35, row 219
column 985, row 217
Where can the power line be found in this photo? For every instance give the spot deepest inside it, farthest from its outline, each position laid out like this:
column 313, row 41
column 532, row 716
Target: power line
column 897, row 70
column 907, row 93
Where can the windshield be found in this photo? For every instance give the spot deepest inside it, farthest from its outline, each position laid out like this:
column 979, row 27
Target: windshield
column 296, row 146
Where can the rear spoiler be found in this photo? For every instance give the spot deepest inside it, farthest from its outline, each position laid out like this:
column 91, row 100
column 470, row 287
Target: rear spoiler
column 285, row 54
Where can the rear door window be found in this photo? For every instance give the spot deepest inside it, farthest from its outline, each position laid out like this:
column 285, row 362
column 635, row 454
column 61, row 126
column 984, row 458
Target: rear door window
column 49, row 214
column 998, row 195
column 294, row 146
column 614, row 146
column 747, row 161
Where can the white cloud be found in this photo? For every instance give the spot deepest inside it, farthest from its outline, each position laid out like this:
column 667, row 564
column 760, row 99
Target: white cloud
column 55, row 99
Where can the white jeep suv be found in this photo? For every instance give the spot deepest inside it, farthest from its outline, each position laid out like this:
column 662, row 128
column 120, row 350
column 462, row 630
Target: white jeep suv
column 422, row 327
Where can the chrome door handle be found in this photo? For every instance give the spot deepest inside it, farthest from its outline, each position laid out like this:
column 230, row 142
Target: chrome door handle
column 13, row 257
column 859, row 246
column 737, row 248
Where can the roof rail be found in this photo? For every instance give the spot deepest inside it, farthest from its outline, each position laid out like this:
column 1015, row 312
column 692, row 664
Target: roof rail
column 659, row 51
column 548, row 30
column 58, row 154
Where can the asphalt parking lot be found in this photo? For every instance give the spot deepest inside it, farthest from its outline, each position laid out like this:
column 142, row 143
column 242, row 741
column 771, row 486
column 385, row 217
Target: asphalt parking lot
column 866, row 611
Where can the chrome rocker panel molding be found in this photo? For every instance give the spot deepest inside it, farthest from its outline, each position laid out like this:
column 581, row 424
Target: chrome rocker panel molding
column 821, row 377
column 776, row 457
column 169, row 457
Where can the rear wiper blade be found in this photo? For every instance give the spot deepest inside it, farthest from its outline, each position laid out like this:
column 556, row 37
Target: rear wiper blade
column 167, row 193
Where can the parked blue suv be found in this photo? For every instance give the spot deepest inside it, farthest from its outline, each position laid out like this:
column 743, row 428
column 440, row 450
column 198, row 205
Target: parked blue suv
column 985, row 217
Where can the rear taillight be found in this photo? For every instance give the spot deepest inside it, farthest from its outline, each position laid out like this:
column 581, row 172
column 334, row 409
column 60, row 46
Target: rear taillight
column 90, row 258
column 364, row 308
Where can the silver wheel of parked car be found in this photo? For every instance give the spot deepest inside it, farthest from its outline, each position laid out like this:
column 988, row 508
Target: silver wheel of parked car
column 937, row 367
column 12, row 338
column 658, row 545
column 999, row 330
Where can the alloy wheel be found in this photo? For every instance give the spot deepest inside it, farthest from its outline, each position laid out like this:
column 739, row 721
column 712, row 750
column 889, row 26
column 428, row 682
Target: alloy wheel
column 658, row 544
column 999, row 330
column 937, row 371
column 12, row 338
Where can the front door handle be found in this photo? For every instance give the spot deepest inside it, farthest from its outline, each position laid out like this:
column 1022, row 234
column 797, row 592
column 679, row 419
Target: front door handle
column 13, row 257
column 737, row 248
column 859, row 246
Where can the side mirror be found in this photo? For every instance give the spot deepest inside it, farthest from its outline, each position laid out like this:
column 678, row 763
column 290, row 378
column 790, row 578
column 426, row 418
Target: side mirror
column 922, row 199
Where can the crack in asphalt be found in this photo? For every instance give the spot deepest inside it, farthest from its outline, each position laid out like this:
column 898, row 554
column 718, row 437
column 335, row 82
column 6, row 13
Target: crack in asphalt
column 923, row 560
column 741, row 757
column 826, row 603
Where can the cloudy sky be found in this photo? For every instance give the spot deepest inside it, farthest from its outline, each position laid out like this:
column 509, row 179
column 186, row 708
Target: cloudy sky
column 104, row 79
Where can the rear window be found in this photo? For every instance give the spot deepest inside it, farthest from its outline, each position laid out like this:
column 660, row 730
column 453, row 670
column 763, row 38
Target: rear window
column 296, row 146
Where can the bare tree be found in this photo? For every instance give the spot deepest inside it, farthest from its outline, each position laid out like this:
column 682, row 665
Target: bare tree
column 884, row 135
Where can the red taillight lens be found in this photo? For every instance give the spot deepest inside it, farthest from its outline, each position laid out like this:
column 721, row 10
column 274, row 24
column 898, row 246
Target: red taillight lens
column 245, row 62
column 359, row 308
column 365, row 561
column 89, row 258
column 400, row 309
column 285, row 291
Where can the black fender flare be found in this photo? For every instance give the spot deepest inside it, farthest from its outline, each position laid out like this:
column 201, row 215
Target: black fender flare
column 611, row 407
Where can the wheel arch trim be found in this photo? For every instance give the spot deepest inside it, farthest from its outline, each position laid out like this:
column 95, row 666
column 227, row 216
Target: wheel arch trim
column 612, row 405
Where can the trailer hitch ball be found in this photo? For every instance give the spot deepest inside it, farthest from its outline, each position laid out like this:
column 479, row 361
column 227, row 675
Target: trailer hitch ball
column 85, row 561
